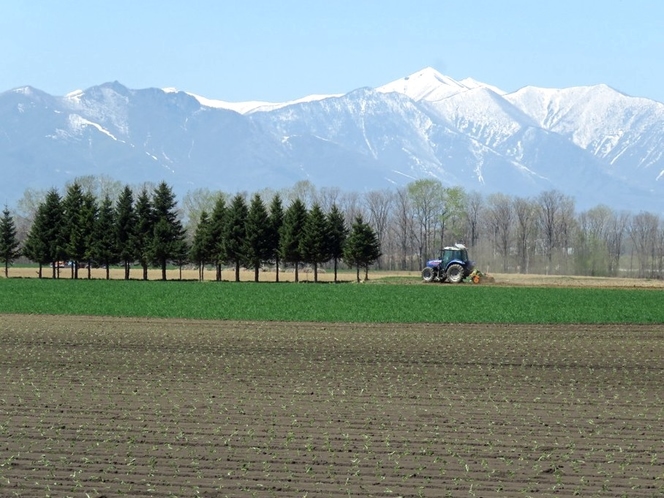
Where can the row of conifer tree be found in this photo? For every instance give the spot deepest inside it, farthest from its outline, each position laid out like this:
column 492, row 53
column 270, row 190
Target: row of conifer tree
column 145, row 230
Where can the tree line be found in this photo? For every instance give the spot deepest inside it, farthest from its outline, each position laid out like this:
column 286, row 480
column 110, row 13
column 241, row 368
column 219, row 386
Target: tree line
column 543, row 234
column 147, row 230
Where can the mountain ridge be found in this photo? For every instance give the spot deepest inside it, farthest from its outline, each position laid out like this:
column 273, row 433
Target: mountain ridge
column 426, row 125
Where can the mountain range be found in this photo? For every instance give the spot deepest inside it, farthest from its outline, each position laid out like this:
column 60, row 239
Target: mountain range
column 593, row 143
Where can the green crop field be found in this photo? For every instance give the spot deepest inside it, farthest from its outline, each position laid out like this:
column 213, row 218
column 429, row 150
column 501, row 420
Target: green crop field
column 332, row 303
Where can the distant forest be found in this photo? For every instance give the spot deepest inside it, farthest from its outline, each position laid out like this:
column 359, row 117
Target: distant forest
column 100, row 219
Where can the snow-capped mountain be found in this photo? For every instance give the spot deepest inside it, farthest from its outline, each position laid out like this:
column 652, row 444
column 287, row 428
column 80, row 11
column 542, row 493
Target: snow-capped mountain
column 625, row 133
column 594, row 143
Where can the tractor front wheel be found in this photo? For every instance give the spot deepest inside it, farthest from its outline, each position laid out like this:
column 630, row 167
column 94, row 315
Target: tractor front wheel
column 455, row 273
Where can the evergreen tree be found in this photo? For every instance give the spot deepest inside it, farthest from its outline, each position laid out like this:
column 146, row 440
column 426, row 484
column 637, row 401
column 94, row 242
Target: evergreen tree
column 89, row 220
column 168, row 237
column 74, row 229
column 145, row 222
column 9, row 244
column 125, row 229
column 180, row 255
column 258, row 235
column 292, row 231
column 105, row 246
column 362, row 247
column 276, row 221
column 36, row 247
column 217, row 223
column 201, row 251
column 235, row 234
column 314, row 246
column 53, row 228
column 337, row 233
column 159, row 248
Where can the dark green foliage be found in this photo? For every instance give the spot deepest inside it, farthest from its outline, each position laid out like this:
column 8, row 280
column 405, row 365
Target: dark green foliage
column 362, row 247
column 314, row 245
column 337, row 233
column 52, row 228
column 258, row 231
column 276, row 222
column 89, row 216
column 105, row 247
column 145, row 222
column 74, row 234
column 149, row 231
column 217, row 222
column 180, row 254
column 36, row 246
column 292, row 232
column 202, row 247
column 125, row 229
column 234, row 248
column 168, row 236
column 9, row 244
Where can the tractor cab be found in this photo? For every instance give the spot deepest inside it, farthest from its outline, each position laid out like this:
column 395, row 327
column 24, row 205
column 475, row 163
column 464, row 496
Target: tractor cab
column 449, row 254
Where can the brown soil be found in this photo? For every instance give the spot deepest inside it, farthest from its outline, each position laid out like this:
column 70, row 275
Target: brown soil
column 401, row 277
column 137, row 407
column 572, row 281
column 187, row 274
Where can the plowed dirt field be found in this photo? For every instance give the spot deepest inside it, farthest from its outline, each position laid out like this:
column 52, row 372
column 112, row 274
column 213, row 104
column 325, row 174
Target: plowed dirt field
column 106, row 407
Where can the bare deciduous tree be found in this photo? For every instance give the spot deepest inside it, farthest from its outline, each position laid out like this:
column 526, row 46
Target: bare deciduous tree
column 350, row 204
column 643, row 230
column 499, row 218
column 591, row 250
column 555, row 224
column 328, row 197
column 472, row 212
column 614, row 240
column 403, row 227
column 194, row 203
column 379, row 204
column 525, row 216
column 428, row 202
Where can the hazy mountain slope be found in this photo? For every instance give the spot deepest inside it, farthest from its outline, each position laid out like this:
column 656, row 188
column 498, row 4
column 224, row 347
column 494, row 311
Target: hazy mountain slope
column 390, row 131
column 626, row 133
column 593, row 143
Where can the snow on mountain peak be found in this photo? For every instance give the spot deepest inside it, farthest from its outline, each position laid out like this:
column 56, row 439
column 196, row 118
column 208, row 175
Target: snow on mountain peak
column 75, row 96
column 472, row 84
column 432, row 86
column 24, row 90
column 605, row 122
column 254, row 105
column 427, row 84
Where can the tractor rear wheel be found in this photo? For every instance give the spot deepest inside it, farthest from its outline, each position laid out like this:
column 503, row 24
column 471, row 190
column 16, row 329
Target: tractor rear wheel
column 455, row 273
column 428, row 274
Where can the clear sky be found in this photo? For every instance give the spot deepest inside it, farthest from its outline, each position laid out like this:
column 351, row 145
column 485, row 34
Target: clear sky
column 278, row 50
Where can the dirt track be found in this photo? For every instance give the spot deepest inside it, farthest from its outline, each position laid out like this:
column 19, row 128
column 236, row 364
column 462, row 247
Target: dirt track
column 107, row 407
column 413, row 277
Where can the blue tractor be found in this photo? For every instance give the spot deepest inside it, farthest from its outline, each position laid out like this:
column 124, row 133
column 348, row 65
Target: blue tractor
column 453, row 266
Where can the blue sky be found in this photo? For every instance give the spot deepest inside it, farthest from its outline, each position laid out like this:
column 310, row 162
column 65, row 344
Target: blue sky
column 281, row 50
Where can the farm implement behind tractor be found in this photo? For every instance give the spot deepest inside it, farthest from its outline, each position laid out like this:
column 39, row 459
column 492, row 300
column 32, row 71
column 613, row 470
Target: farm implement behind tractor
column 453, row 266
column 478, row 277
